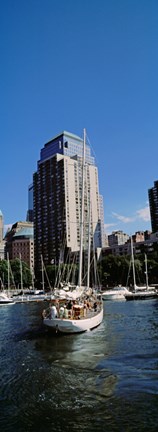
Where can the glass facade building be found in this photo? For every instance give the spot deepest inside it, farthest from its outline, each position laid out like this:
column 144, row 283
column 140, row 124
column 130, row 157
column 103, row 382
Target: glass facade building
column 29, row 217
column 57, row 191
column 66, row 144
column 153, row 204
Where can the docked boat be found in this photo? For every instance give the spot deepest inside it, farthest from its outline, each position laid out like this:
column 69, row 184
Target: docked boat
column 140, row 293
column 144, row 294
column 35, row 296
column 85, row 311
column 116, row 293
column 5, row 299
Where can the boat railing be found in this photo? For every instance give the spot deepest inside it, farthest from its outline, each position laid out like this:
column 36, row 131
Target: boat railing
column 77, row 311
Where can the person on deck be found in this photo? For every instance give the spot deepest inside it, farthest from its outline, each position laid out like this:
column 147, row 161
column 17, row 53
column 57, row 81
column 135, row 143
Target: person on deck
column 53, row 311
column 65, row 312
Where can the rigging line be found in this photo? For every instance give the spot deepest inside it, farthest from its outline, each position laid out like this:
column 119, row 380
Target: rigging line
column 47, row 276
column 70, row 271
column 60, row 271
column 129, row 269
column 93, row 151
column 84, row 277
column 13, row 280
column 64, row 265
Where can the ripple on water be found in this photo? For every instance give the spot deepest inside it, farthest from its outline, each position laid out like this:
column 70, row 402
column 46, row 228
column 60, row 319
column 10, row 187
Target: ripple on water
column 101, row 380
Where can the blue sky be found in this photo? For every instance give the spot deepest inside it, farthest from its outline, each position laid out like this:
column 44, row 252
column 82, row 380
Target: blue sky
column 66, row 65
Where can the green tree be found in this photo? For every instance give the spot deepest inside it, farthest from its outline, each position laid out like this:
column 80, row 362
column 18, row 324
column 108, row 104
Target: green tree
column 3, row 273
column 113, row 270
column 16, row 271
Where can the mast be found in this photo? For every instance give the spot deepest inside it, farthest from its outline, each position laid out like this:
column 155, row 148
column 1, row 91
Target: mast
column 133, row 267
column 21, row 276
column 32, row 274
column 2, row 286
column 89, row 245
column 146, row 272
column 42, row 268
column 95, row 265
column 82, row 212
column 8, row 272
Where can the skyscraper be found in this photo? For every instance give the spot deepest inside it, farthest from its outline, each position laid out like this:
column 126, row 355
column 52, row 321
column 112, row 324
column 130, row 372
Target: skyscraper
column 29, row 216
column 153, row 204
column 57, row 187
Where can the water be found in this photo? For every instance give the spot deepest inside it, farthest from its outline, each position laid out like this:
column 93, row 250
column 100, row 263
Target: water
column 103, row 380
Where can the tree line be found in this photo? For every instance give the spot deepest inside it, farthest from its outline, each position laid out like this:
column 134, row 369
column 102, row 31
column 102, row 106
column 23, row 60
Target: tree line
column 117, row 270
column 111, row 270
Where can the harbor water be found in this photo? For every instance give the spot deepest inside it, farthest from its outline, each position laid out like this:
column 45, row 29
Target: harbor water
column 101, row 380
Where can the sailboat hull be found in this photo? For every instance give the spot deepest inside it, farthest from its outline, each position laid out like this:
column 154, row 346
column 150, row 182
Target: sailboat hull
column 74, row 325
column 6, row 303
column 141, row 295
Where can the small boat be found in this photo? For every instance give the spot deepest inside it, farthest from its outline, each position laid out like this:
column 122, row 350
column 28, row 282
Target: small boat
column 140, row 293
column 5, row 299
column 116, row 293
column 86, row 311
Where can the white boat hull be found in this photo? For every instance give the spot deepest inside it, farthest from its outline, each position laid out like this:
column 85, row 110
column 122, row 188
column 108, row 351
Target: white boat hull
column 31, row 298
column 5, row 300
column 74, row 325
column 115, row 294
column 142, row 295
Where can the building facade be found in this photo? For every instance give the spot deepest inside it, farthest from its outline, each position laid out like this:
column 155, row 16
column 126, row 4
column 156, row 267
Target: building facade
column 2, row 246
column 143, row 242
column 19, row 242
column 153, row 204
column 23, row 246
column 57, row 191
column 117, row 238
column 139, row 236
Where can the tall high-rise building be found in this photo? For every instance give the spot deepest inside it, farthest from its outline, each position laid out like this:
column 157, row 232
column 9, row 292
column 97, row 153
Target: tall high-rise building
column 57, row 191
column 153, row 204
column 29, row 216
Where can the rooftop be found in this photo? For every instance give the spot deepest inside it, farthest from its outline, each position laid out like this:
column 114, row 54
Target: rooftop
column 76, row 137
column 24, row 232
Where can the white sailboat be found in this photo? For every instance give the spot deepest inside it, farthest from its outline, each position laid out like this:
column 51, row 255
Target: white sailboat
column 142, row 292
column 40, row 294
column 85, row 313
column 23, row 296
column 5, row 298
